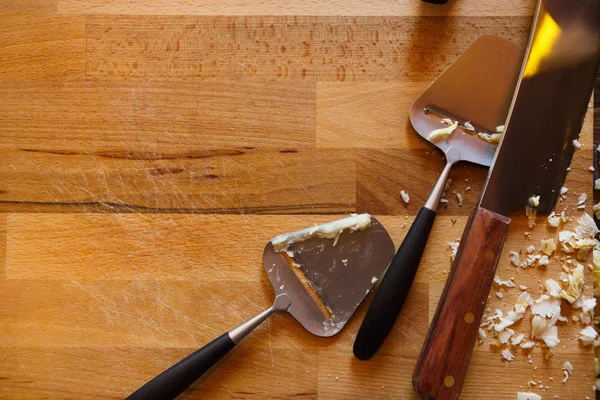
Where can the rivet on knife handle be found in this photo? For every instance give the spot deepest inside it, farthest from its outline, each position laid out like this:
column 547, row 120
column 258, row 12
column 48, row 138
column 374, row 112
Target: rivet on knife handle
column 442, row 365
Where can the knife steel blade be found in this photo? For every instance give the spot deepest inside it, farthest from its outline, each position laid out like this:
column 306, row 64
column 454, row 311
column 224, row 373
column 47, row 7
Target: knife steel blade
column 548, row 108
column 545, row 116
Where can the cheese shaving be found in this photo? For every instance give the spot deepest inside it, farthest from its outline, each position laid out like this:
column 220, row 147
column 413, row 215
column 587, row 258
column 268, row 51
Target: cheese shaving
column 499, row 282
column 531, row 214
column 534, row 201
column 541, row 328
column 517, row 339
column 596, row 209
column 507, row 355
column 454, row 248
column 470, row 127
column 527, row 345
column 330, row 230
column 505, row 335
column 548, row 246
column 490, row 138
column 547, row 307
column 460, row 199
column 576, row 281
column 514, row 258
column 442, row 133
column 553, row 288
column 554, row 220
column 405, row 196
column 588, row 335
column 567, row 366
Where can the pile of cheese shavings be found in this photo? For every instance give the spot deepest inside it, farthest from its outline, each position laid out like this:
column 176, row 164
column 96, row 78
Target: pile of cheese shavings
column 545, row 311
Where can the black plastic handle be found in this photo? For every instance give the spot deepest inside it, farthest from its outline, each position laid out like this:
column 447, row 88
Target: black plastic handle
column 394, row 287
column 180, row 376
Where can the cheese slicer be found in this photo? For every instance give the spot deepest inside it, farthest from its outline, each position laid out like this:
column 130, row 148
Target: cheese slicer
column 474, row 95
column 320, row 276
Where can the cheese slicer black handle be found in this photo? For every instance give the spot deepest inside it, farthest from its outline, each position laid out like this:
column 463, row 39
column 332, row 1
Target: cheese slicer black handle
column 172, row 382
column 394, row 287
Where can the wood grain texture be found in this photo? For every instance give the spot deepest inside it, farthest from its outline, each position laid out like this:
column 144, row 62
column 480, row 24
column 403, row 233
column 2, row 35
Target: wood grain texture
column 138, row 141
column 28, row 6
column 81, row 116
column 376, row 115
column 242, row 180
column 302, row 7
column 42, row 46
column 388, row 49
column 382, row 174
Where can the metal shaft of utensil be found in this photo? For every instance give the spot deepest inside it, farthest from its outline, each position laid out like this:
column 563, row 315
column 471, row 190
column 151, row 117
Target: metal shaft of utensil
column 281, row 303
column 452, row 156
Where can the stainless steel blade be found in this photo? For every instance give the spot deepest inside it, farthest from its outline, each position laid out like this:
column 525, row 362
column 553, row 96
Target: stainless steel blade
column 548, row 108
column 341, row 275
column 477, row 87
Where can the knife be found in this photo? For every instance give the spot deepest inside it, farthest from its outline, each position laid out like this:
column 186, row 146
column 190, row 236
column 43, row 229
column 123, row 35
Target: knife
column 545, row 117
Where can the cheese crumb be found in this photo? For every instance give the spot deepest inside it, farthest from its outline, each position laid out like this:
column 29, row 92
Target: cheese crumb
column 576, row 281
column 582, row 199
column 442, row 132
column 490, row 138
column 542, row 328
column 554, row 220
column 460, row 199
column 597, row 182
column 576, row 144
column 588, row 335
column 470, row 127
column 514, row 258
column 531, row 249
column 405, row 196
column 548, row 246
column 517, row 339
column 454, row 247
column 531, row 214
column 499, row 282
column 500, row 128
column 507, row 355
column 567, row 366
column 481, row 334
column 527, row 345
column 534, row 201
column 553, row 288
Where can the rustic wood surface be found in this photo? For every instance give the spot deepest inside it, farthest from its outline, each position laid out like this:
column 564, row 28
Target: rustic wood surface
column 149, row 150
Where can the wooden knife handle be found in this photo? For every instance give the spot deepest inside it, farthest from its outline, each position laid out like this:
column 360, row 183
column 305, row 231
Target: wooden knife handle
column 442, row 365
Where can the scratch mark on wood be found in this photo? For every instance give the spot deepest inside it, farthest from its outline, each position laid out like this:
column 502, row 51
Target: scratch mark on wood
column 133, row 155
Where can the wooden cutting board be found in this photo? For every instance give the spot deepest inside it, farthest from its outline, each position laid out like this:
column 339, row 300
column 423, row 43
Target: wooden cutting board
column 149, row 150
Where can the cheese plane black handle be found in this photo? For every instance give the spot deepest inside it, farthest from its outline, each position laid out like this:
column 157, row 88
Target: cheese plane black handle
column 172, row 382
column 394, row 287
